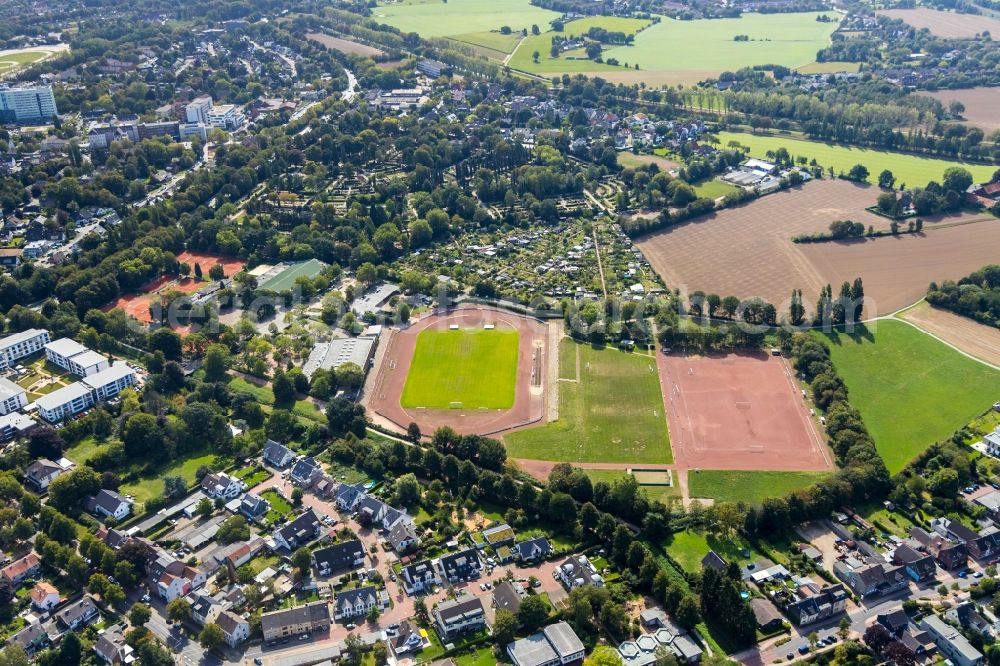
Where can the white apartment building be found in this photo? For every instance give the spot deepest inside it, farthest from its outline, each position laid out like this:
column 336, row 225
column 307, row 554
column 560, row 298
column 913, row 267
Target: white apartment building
column 19, row 105
column 197, row 111
column 70, row 355
column 226, row 116
column 19, row 345
column 12, row 396
column 86, row 393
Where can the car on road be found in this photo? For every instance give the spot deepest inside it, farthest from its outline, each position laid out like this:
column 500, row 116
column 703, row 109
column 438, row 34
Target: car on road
column 790, row 656
column 803, row 649
column 978, row 574
column 258, row 661
column 145, row 598
column 349, row 626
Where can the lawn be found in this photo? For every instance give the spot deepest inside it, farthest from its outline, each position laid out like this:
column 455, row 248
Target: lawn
column 253, row 475
column 523, row 58
column 665, row 494
column 151, row 487
column 749, row 487
column 83, row 450
column 474, row 367
column 614, row 414
column 493, row 40
column 912, row 170
column 713, row 189
column 911, row 389
column 567, row 359
column 688, row 548
column 280, row 509
column 265, row 396
column 432, row 18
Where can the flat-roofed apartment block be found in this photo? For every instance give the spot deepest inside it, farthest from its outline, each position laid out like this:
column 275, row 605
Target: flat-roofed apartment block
column 86, row 393
column 19, row 345
column 73, row 357
column 12, row 396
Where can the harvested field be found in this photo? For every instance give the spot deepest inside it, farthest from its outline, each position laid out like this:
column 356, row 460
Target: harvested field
column 635, row 161
column 970, row 336
column 747, row 251
column 739, row 411
column 344, row 45
column 385, row 395
column 981, row 105
column 944, row 24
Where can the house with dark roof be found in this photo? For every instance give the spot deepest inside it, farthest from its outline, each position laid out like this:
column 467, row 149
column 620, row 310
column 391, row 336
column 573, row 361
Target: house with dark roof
column 980, row 545
column 108, row 504
column 533, row 550
column 919, row 566
column 42, row 472
column 112, row 648
column 419, row 576
column 578, row 571
column 458, row 617
column 814, row 606
column 299, row 532
column 403, row 536
column 767, row 616
column 461, row 566
column 222, row 486
column 349, row 495
column 507, row 596
column 254, row 507
column 370, row 511
column 870, row 580
column 305, row 470
column 304, row 619
column 81, row 614
column 342, row 556
column 714, row 560
column 948, row 554
column 895, row 622
column 355, row 603
column 32, row 638
column 407, row 639
column 204, row 609
column 277, row 455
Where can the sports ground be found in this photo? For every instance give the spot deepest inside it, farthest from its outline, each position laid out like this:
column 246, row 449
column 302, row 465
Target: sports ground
column 475, row 369
column 911, row 389
column 610, row 411
column 739, row 412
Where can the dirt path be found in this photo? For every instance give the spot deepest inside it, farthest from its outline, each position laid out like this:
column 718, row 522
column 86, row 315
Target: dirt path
column 961, row 333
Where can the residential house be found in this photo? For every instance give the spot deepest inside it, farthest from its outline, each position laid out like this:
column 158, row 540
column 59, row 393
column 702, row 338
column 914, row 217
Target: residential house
column 983, row 545
column 108, row 504
column 204, row 609
column 43, row 471
column 254, row 507
column 349, row 495
column 813, row 605
column 219, row 485
column 714, row 560
column 686, row 650
column 112, row 649
column 12, row 397
column 554, row 645
column 768, row 617
column 89, row 391
column 407, row 639
column 174, row 578
column 947, row 553
column 44, row 596
column 339, row 557
column 32, row 638
column 870, row 580
column 18, row 571
column 305, row 470
column 951, row 642
column 499, row 535
column 991, row 502
column 355, row 603
column 461, row 566
column 507, row 596
column 533, row 550
column 235, row 629
column 79, row 615
column 403, row 536
column 577, row 571
column 895, row 622
column 299, row 532
column 459, row 616
column 419, row 577
column 919, row 566
column 277, row 455
column 370, row 511
column 240, row 553
column 305, row 619
column 967, row 615
column 73, row 357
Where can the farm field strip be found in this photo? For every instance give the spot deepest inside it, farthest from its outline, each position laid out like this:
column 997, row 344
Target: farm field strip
column 921, row 393
column 981, row 105
column 944, row 24
column 970, row 336
column 913, row 170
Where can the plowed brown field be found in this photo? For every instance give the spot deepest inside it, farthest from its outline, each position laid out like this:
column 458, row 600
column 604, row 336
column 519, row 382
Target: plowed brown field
column 944, row 24
column 970, row 336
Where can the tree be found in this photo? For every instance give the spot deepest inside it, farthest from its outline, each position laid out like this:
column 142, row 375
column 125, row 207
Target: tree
column 688, row 614
column 45, row 442
column 71, row 650
column 957, row 179
column 380, row 653
column 174, row 487
column 504, row 628
column 350, row 376
column 139, row 615
column 603, row 656
column 217, row 272
column 296, row 497
column 211, row 637
column 166, row 341
column 536, row 55
column 858, row 173
column 367, row 274
column 796, row 310
column 886, row 179
column 197, row 271
column 205, row 507
column 142, row 436
column 532, row 613
column 877, row 638
column 233, row 529
column 407, row 490
column 302, row 560
column 151, row 653
column 413, row 432
column 844, row 628
column 217, row 362
column 178, row 610
column 283, row 388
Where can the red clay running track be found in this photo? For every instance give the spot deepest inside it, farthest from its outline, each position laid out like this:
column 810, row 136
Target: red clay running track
column 739, row 412
column 529, row 399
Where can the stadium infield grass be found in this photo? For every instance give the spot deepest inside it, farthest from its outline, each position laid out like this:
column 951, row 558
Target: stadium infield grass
column 910, row 389
column 751, row 487
column 613, row 414
column 474, row 367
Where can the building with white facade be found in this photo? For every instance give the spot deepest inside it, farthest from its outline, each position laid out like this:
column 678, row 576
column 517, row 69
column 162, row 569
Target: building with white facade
column 18, row 105
column 70, row 355
column 86, row 393
column 197, row 111
column 19, row 345
column 12, row 396
column 226, row 116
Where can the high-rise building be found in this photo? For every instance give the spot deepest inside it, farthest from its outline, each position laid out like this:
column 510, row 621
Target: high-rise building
column 197, row 111
column 27, row 104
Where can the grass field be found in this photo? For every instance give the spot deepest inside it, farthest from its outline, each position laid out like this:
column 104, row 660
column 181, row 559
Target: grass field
column 149, row 488
column 911, row 389
column 492, row 40
column 713, row 189
column 749, row 487
column 912, row 170
column 613, row 414
column 688, row 548
column 285, row 280
column 475, row 367
column 542, row 43
column 17, row 60
column 433, row 18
